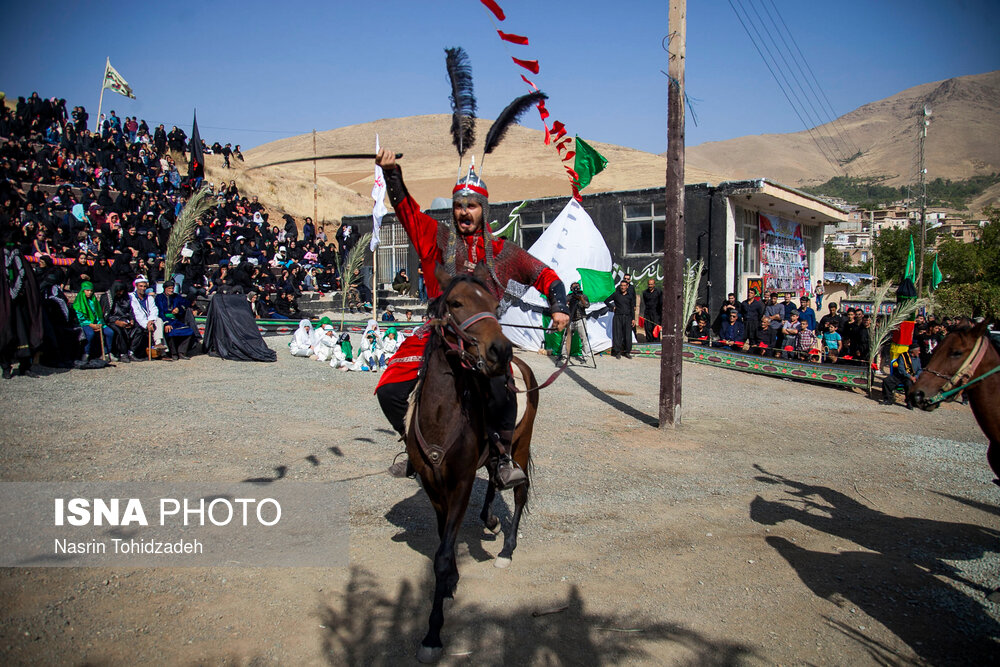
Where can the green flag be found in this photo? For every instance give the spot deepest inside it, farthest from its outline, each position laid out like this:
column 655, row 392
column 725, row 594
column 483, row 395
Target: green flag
column 588, row 163
column 936, row 277
column 911, row 263
column 597, row 285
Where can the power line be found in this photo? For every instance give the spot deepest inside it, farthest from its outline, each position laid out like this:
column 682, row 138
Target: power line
column 837, row 124
column 783, row 91
column 789, row 78
column 811, row 97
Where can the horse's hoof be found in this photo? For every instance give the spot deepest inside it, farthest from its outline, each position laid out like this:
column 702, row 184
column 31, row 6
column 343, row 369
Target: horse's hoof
column 429, row 654
column 492, row 531
column 502, row 562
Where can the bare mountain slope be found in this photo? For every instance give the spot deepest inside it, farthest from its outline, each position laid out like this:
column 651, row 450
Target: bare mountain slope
column 521, row 167
column 962, row 140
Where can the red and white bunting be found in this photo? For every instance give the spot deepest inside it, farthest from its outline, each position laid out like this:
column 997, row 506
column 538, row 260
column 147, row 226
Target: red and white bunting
column 558, row 131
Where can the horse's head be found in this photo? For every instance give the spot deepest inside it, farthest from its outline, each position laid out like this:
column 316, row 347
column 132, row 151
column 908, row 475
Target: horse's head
column 954, row 361
column 465, row 316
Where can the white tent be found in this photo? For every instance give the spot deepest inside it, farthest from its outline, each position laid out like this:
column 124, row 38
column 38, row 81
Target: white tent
column 570, row 242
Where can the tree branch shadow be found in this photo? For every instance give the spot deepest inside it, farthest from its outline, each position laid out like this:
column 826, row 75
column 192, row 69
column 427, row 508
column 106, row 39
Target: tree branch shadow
column 367, row 627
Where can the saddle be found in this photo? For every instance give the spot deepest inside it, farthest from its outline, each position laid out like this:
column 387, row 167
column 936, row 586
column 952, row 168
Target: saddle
column 436, row 452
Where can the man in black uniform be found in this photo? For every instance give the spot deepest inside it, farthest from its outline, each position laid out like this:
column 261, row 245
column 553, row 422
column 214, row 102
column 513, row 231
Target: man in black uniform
column 578, row 303
column 622, row 304
column 652, row 309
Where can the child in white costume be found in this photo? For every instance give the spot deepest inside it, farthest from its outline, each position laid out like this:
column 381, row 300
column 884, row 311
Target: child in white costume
column 325, row 346
column 302, row 339
column 390, row 343
column 342, row 357
column 370, row 354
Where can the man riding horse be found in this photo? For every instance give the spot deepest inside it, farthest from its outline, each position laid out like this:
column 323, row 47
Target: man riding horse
column 459, row 250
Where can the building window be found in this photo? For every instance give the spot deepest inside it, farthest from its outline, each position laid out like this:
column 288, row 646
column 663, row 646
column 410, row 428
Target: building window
column 394, row 246
column 532, row 226
column 643, row 228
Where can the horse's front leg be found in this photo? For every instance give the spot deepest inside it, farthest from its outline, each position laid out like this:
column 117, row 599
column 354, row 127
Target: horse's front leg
column 445, row 569
column 510, row 537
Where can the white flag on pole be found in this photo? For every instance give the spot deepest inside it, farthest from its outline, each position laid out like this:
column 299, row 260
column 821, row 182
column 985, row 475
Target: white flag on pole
column 116, row 82
column 379, row 210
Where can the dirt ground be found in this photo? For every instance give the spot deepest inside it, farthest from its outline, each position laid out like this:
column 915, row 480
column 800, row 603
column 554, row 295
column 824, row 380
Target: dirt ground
column 782, row 523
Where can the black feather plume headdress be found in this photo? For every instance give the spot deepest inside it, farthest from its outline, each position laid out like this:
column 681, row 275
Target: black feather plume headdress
column 463, row 100
column 463, row 108
column 510, row 115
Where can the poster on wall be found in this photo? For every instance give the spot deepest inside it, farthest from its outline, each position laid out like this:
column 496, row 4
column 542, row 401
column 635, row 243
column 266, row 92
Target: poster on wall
column 784, row 263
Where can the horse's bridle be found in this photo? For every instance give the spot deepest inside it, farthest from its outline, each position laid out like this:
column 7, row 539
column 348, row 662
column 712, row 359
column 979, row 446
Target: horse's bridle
column 448, row 323
column 965, row 371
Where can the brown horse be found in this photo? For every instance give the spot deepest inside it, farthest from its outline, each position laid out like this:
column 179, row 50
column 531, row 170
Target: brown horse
column 446, row 425
column 966, row 358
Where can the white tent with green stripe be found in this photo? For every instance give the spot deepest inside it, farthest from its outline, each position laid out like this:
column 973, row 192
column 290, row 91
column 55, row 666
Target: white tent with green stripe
column 574, row 248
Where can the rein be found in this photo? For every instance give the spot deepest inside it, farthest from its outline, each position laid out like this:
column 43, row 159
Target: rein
column 960, row 380
column 469, row 362
column 473, row 363
column 477, row 363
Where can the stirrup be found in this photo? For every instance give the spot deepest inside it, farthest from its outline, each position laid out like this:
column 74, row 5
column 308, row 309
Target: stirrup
column 509, row 474
column 402, row 469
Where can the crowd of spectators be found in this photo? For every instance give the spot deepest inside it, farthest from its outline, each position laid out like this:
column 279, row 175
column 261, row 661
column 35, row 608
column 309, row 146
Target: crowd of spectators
column 98, row 207
column 780, row 328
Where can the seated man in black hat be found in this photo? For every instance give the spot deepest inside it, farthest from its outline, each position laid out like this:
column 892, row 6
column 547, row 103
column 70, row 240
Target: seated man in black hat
column 177, row 326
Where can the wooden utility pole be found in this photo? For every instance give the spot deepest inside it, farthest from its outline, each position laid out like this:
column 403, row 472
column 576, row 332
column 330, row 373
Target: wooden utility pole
column 315, row 187
column 672, row 337
column 925, row 120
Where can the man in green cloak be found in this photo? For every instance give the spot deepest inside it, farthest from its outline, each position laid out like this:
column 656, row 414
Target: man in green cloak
column 91, row 316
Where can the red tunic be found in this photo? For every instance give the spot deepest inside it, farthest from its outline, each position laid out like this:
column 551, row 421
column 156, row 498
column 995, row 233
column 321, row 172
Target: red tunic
column 430, row 239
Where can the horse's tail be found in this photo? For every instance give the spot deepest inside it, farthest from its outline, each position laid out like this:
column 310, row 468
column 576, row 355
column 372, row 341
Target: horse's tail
column 527, row 421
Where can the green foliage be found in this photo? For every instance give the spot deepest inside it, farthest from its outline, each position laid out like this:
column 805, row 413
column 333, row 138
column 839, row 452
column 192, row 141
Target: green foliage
column 870, row 193
column 692, row 280
column 892, row 247
column 882, row 327
column 834, row 260
column 959, row 262
column 861, row 192
column 979, row 299
column 972, row 273
column 958, row 194
column 352, row 262
column 988, row 246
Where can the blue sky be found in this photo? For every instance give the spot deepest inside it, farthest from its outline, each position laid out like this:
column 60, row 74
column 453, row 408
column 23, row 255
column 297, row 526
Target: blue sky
column 259, row 71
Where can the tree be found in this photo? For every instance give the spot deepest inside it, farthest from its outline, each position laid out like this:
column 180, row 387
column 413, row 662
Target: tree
column 972, row 273
column 988, row 246
column 959, row 262
column 892, row 247
column 833, row 259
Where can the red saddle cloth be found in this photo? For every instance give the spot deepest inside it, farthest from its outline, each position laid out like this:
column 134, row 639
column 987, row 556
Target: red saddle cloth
column 405, row 364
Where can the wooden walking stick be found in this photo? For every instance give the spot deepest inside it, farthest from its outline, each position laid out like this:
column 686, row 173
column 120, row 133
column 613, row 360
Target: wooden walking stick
column 100, row 332
column 149, row 339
